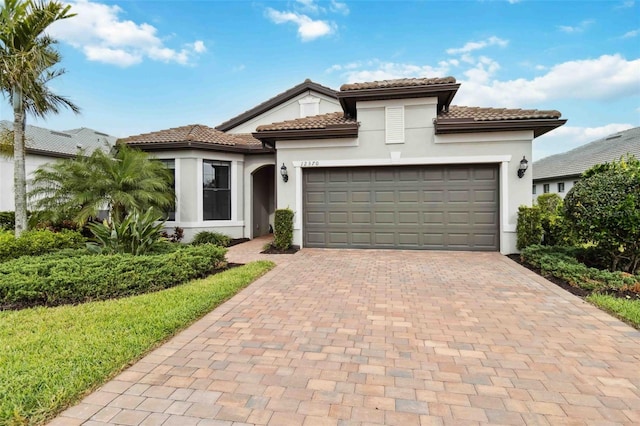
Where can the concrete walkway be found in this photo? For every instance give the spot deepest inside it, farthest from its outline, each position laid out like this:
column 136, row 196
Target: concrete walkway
column 384, row 337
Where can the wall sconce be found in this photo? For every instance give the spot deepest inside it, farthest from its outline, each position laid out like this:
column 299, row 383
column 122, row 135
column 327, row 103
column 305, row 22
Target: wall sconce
column 524, row 165
column 283, row 173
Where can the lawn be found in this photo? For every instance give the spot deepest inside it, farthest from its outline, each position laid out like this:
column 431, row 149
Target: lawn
column 50, row 357
column 625, row 309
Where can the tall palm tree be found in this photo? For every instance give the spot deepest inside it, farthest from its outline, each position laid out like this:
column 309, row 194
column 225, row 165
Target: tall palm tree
column 122, row 182
column 27, row 61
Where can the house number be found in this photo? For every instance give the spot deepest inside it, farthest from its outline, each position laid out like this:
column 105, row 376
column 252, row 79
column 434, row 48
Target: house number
column 309, row 163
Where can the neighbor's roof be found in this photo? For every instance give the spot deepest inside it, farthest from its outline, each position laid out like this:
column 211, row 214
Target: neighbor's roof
column 194, row 136
column 265, row 106
column 578, row 160
column 63, row 143
column 400, row 82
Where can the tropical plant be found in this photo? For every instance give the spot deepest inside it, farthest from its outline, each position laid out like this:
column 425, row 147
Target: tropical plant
column 27, row 64
column 136, row 234
column 121, row 182
column 603, row 208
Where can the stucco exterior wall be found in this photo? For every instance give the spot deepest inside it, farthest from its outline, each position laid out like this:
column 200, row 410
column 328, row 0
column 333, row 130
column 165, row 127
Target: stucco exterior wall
column 287, row 111
column 32, row 162
column 189, row 177
column 421, row 146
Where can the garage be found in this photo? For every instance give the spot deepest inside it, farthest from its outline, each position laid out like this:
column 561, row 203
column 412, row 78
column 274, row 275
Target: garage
column 436, row 207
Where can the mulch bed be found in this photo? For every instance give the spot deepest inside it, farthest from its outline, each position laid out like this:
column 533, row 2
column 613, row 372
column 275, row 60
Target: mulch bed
column 577, row 291
column 273, row 250
column 237, row 241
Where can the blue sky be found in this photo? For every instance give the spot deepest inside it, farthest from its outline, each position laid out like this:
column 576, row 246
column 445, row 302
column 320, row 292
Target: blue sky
column 140, row 66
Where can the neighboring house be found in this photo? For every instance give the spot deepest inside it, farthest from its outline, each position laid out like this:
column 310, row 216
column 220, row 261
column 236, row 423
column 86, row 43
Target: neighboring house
column 387, row 164
column 43, row 146
column 558, row 173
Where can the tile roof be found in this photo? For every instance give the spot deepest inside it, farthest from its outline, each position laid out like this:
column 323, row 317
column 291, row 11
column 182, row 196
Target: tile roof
column 63, row 143
column 578, row 160
column 274, row 101
column 323, row 121
column 401, row 82
column 194, row 133
column 496, row 114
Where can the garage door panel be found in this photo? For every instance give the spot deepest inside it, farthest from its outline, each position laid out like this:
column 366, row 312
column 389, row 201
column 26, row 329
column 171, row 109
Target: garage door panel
column 411, row 207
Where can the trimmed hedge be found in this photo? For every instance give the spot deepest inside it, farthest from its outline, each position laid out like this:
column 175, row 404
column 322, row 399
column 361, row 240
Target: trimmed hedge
column 51, row 280
column 283, row 232
column 561, row 262
column 206, row 237
column 37, row 242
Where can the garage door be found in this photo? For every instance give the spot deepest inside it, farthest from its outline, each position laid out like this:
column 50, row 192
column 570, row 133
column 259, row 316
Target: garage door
column 408, row 207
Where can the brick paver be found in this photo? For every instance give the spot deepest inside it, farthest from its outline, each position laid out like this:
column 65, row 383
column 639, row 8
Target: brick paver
column 384, row 337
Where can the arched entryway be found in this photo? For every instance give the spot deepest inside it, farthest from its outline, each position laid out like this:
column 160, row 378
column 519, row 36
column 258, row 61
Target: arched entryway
column 263, row 200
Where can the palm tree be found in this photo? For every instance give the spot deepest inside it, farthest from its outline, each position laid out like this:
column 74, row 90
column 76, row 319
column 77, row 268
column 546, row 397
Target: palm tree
column 27, row 60
column 127, row 180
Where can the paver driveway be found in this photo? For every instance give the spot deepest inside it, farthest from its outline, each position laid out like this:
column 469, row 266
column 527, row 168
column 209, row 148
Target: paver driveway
column 395, row 337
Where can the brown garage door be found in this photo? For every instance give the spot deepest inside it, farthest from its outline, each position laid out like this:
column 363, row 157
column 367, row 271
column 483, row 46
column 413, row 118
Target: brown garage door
column 405, row 207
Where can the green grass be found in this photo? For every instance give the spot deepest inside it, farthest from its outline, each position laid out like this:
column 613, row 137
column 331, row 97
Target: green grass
column 50, row 357
column 627, row 310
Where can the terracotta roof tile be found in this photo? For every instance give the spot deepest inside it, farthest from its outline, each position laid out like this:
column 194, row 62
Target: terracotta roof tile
column 323, row 121
column 496, row 114
column 401, row 82
column 189, row 133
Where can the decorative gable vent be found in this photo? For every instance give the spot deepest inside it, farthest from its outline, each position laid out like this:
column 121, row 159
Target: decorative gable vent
column 309, row 105
column 394, row 117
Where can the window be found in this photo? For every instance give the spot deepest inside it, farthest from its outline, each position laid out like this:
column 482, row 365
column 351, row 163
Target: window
column 560, row 187
column 394, row 118
column 216, row 190
column 171, row 165
column 545, row 188
column 534, row 190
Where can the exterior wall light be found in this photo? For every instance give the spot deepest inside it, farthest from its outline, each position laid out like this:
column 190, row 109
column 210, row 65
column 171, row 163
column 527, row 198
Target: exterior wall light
column 524, row 165
column 283, row 173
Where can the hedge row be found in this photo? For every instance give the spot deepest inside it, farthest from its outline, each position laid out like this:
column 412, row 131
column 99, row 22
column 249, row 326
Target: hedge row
column 37, row 242
column 51, row 280
column 561, row 262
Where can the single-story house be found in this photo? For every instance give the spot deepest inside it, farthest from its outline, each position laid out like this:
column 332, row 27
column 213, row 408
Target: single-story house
column 385, row 164
column 44, row 146
column 558, row 173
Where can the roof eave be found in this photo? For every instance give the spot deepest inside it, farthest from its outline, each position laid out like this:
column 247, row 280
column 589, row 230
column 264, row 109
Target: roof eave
column 167, row 146
column 276, row 100
column 302, row 134
column 539, row 126
column 444, row 93
column 44, row 152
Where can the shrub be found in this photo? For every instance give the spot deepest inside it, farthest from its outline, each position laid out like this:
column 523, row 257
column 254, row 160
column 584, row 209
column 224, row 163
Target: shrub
column 37, row 242
column 215, row 238
column 283, row 233
column 554, row 228
column 176, row 237
column 604, row 208
column 54, row 281
column 529, row 228
column 561, row 262
column 7, row 220
column 136, row 234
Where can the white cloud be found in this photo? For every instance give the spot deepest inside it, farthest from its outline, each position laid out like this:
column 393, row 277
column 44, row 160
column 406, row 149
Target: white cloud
column 378, row 70
column 566, row 138
column 339, row 7
column 514, row 1
column 103, row 36
column 577, row 28
column 603, row 78
column 308, row 29
column 626, row 4
column 631, row 34
column 308, row 6
column 476, row 45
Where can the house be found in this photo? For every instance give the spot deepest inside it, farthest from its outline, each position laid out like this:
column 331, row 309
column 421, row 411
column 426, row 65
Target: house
column 385, row 164
column 43, row 146
column 558, row 173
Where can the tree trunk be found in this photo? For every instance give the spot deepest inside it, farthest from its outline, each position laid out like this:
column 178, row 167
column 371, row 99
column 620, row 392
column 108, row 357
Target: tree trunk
column 19, row 172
